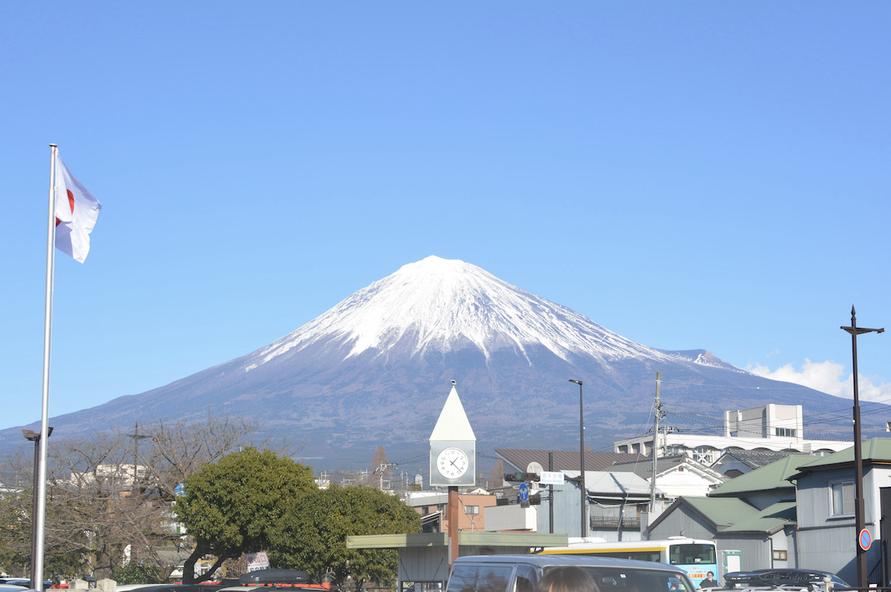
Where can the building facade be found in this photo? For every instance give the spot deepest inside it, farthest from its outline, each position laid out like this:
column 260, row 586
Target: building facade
column 768, row 427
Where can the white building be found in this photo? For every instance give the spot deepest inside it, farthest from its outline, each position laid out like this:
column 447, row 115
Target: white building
column 676, row 476
column 769, row 427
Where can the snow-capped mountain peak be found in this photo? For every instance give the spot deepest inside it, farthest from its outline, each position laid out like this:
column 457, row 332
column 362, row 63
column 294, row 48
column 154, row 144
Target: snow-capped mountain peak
column 447, row 304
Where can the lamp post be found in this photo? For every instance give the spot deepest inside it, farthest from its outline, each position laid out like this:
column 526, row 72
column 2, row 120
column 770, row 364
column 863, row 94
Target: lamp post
column 859, row 517
column 582, row 489
column 32, row 436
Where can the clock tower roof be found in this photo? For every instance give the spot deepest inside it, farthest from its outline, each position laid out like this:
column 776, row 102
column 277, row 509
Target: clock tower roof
column 452, row 423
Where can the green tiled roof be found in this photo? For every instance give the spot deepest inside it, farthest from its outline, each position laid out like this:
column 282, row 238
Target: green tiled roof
column 768, row 521
column 767, row 478
column 877, row 450
column 722, row 512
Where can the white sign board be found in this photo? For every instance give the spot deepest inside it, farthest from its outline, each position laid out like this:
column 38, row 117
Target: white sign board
column 552, row 478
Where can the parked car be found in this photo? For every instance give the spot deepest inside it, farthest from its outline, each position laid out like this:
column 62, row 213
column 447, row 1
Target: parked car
column 521, row 573
column 811, row 579
column 274, row 576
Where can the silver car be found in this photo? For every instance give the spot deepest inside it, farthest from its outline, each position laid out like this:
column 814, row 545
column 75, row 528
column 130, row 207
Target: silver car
column 522, row 573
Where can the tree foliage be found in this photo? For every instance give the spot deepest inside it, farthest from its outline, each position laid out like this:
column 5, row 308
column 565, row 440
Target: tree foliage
column 312, row 536
column 229, row 506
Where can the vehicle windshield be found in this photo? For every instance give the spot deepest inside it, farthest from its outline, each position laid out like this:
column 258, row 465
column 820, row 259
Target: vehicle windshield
column 635, row 580
column 691, row 554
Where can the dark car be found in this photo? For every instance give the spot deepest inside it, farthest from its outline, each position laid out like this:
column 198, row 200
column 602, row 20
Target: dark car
column 774, row 578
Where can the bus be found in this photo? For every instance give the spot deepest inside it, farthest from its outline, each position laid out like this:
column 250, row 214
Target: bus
column 696, row 557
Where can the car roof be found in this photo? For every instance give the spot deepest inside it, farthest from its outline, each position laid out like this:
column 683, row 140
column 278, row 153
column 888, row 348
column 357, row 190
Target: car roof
column 558, row 560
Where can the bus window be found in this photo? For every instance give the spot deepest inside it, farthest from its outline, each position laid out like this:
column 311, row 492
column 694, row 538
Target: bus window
column 639, row 555
column 691, row 554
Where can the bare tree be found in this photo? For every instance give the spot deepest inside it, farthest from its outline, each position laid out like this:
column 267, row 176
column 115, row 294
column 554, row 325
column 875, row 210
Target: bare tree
column 496, row 477
column 110, row 503
column 179, row 450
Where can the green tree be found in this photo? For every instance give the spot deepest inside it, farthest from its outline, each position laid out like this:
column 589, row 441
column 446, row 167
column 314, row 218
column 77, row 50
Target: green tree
column 230, row 505
column 312, row 536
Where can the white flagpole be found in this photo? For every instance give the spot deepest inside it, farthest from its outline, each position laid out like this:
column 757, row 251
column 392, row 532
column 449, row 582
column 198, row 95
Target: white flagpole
column 40, row 518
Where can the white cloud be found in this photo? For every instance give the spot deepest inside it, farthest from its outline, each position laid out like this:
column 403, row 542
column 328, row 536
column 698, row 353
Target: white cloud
column 828, row 377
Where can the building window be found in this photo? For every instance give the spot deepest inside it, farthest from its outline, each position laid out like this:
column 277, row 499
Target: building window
column 705, row 455
column 843, row 499
column 472, row 510
column 784, row 432
column 780, row 555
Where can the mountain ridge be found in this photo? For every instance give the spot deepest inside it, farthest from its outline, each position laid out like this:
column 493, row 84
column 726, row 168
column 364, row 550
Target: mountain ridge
column 375, row 368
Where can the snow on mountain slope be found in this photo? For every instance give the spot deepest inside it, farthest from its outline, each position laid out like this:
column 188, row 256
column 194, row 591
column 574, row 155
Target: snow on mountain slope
column 444, row 304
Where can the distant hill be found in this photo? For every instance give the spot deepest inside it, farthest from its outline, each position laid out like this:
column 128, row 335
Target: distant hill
column 375, row 369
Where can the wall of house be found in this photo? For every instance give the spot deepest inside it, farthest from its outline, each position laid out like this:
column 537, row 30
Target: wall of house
column 754, row 550
column 682, row 521
column 779, row 541
column 567, row 520
column 762, row 499
column 874, row 479
column 684, row 482
column 513, row 518
column 792, row 544
column 827, row 542
column 814, row 497
column 566, row 510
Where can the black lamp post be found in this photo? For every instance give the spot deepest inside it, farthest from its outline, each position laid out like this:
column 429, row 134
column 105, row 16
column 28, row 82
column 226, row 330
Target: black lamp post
column 859, row 516
column 583, row 489
column 32, row 436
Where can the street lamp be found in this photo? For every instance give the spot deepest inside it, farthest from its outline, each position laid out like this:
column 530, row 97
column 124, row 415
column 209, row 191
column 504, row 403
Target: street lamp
column 859, row 517
column 32, row 436
column 583, row 490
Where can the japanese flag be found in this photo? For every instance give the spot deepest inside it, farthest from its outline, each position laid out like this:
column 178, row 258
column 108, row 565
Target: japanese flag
column 76, row 214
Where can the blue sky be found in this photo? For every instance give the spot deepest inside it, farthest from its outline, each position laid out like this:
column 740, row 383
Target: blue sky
column 688, row 174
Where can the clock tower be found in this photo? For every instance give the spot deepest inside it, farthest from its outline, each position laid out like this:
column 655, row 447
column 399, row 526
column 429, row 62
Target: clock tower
column 452, row 446
column 453, row 459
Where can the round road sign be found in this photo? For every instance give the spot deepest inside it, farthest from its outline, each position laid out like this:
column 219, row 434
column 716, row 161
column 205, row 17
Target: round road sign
column 864, row 539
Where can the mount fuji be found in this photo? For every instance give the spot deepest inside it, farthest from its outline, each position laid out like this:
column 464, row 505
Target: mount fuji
column 375, row 369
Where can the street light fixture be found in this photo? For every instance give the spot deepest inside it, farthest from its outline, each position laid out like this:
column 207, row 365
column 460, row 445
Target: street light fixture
column 32, row 436
column 583, row 490
column 859, row 516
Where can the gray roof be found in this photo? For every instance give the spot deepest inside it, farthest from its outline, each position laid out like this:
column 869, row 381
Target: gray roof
column 564, row 460
column 613, row 483
column 644, row 467
column 755, row 458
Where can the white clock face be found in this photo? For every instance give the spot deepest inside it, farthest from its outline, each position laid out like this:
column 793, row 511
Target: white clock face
column 452, row 463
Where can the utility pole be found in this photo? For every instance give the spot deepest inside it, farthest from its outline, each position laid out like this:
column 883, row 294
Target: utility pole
column 136, row 438
column 33, row 436
column 550, row 495
column 859, row 514
column 583, row 490
column 659, row 414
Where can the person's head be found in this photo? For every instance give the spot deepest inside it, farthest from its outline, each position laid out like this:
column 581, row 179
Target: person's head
column 709, row 575
column 567, row 579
